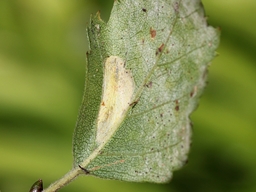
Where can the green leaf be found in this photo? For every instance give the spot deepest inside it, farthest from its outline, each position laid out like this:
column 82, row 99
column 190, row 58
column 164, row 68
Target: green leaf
column 145, row 71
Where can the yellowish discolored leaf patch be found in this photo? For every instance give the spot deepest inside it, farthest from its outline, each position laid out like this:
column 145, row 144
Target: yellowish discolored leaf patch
column 118, row 88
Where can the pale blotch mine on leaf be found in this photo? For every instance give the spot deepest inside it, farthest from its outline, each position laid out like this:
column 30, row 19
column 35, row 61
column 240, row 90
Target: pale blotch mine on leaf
column 118, row 88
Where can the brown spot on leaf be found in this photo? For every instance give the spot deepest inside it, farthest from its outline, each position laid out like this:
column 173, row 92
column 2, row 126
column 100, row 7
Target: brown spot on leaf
column 143, row 40
column 177, row 107
column 152, row 33
column 144, row 10
column 160, row 49
column 149, row 84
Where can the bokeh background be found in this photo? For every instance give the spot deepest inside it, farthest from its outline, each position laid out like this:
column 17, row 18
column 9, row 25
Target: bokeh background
column 42, row 60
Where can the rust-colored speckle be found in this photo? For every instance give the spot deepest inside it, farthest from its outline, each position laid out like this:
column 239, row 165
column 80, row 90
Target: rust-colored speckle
column 103, row 104
column 152, row 33
column 160, row 49
column 177, row 107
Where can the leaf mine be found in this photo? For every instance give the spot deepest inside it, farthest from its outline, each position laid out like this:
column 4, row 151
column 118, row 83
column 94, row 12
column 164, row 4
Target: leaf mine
column 118, row 88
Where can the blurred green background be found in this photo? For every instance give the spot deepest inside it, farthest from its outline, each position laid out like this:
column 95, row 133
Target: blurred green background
column 42, row 60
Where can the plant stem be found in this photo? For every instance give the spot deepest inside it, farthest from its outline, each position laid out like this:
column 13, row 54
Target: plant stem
column 72, row 174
